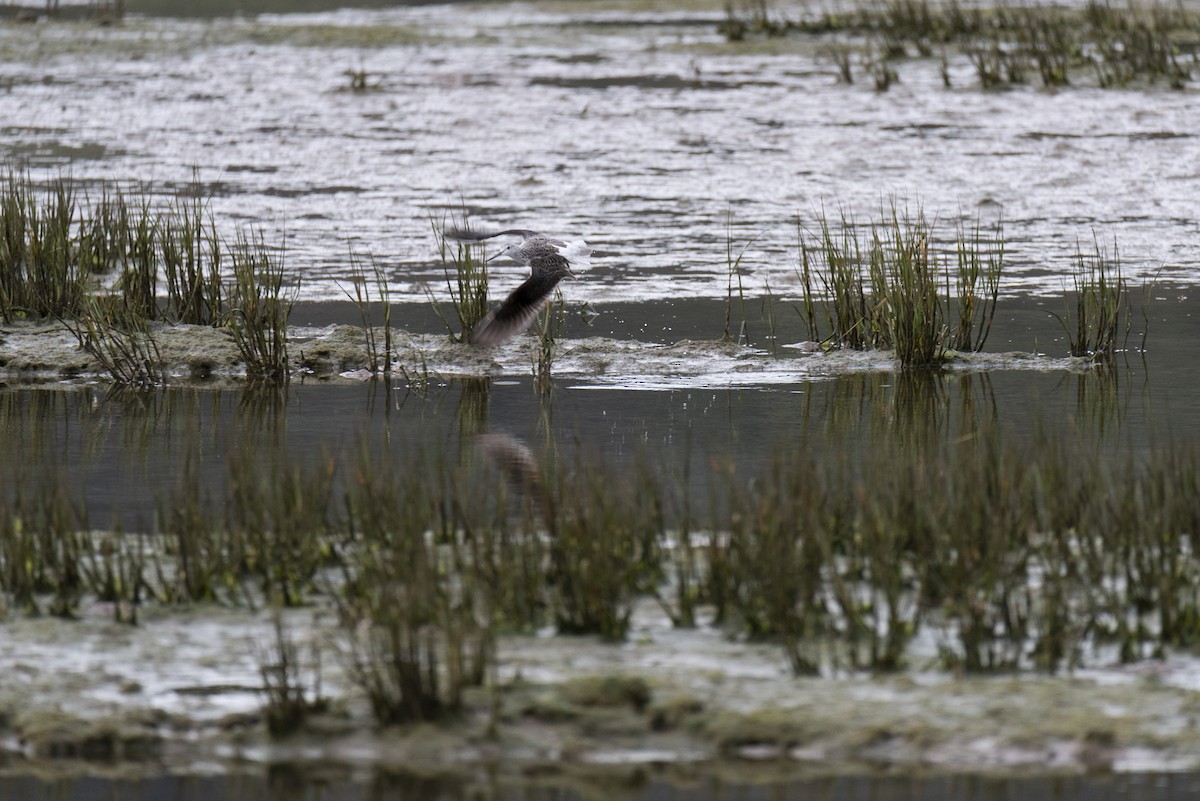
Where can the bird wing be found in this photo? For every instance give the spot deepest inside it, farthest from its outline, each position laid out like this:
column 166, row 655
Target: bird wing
column 475, row 236
column 518, row 310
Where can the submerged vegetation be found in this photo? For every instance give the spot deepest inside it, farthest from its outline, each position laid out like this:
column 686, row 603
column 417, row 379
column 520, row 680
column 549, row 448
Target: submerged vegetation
column 1112, row 45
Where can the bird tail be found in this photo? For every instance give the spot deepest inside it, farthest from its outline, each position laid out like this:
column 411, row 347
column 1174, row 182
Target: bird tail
column 578, row 254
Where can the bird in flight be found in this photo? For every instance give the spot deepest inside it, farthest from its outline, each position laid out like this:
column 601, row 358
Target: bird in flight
column 549, row 261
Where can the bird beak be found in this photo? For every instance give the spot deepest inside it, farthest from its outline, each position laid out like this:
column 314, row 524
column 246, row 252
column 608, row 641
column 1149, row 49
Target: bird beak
column 496, row 256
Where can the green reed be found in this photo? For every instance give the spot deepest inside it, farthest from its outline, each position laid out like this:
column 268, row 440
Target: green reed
column 884, row 289
column 39, row 275
column 1102, row 305
column 466, row 275
column 1117, row 44
column 379, row 355
column 120, row 341
column 259, row 308
column 110, row 268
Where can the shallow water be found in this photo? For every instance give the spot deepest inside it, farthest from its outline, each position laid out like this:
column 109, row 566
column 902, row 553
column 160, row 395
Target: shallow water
column 637, row 128
column 285, row 781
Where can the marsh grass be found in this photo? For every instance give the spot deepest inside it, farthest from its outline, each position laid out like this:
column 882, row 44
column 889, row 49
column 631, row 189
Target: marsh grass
column 284, row 520
column 905, row 282
column 1102, row 304
column 119, row 340
column 43, row 545
column 550, row 325
column 753, row 17
column 1013, row 553
column 882, row 285
column 109, row 269
column 379, row 355
column 604, row 551
column 191, row 254
column 1118, row 44
column 39, row 276
column 417, row 621
column 116, row 571
column 259, row 308
column 979, row 266
column 466, row 272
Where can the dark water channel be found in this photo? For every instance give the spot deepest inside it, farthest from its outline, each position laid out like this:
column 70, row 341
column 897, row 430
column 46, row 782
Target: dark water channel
column 283, row 783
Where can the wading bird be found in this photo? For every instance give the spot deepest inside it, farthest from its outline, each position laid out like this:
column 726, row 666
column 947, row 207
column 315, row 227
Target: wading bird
column 549, row 261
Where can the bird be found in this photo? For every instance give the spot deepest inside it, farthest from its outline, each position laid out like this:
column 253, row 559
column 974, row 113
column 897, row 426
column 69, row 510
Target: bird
column 549, row 261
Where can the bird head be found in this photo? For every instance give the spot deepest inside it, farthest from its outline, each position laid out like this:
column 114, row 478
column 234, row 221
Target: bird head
column 512, row 251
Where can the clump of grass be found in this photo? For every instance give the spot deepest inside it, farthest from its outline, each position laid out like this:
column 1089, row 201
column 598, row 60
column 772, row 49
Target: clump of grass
column 733, row 270
column 283, row 520
column 751, row 18
column 201, row 563
column 259, row 308
column 191, row 254
column 39, row 275
column 549, row 328
column 52, row 256
column 604, row 550
column 906, row 285
column 119, row 340
column 880, row 69
column 883, row 290
column 979, row 266
column 379, row 362
column 466, row 278
column 1101, row 305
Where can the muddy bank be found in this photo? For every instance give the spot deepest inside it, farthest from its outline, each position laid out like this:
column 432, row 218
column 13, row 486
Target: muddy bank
column 198, row 354
column 183, row 690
